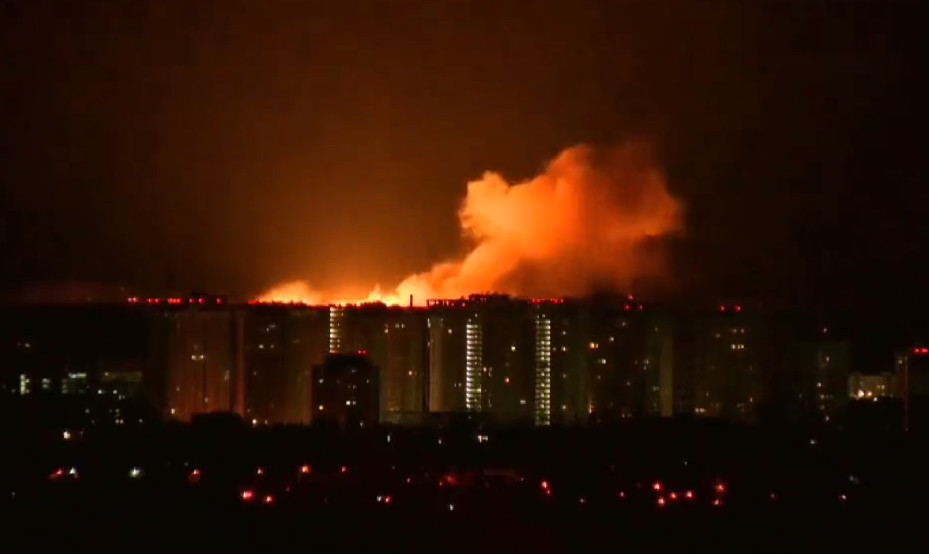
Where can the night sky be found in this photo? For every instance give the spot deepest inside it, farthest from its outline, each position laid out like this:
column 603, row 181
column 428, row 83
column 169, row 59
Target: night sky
column 229, row 145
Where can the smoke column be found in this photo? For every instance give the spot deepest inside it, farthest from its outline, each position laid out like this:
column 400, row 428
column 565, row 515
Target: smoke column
column 587, row 221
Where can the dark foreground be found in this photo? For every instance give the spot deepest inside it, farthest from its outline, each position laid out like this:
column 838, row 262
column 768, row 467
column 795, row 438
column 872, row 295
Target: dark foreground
column 670, row 487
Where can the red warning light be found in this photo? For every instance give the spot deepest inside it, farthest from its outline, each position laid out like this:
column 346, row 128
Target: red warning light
column 738, row 308
column 722, row 308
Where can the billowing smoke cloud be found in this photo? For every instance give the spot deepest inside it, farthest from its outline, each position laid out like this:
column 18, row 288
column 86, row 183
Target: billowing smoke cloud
column 589, row 220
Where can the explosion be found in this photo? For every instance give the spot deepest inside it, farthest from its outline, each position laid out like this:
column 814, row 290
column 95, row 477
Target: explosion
column 587, row 221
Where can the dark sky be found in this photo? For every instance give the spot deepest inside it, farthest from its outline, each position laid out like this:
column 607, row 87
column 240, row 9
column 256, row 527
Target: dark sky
column 229, row 145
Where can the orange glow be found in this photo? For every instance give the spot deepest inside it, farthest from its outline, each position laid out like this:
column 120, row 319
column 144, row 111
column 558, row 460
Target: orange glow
column 305, row 469
column 586, row 220
column 656, row 486
column 269, row 499
column 661, row 501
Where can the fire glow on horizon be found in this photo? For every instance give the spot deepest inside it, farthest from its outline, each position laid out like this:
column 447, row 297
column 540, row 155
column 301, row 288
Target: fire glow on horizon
column 586, row 219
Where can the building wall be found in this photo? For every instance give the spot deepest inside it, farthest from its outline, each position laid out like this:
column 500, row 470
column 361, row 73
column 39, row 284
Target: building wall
column 730, row 352
column 199, row 361
column 447, row 359
column 281, row 347
column 346, row 391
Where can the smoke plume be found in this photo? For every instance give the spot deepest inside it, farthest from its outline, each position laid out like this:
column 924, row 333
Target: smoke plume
column 590, row 220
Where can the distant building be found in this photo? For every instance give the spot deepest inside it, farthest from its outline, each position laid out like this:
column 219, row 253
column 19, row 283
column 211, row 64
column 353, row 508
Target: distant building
column 346, row 391
column 549, row 361
column 395, row 338
column 912, row 369
column 817, row 373
column 871, row 387
column 730, row 351
column 196, row 359
column 281, row 346
column 483, row 357
column 629, row 357
column 447, row 324
column 75, row 350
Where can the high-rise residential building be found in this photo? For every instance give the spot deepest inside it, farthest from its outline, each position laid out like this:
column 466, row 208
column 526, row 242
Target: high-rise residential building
column 482, row 357
column 447, row 351
column 813, row 371
column 395, row 338
column 197, row 346
column 346, row 391
column 561, row 376
column 630, row 360
column 550, row 361
column 730, row 353
column 281, row 345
